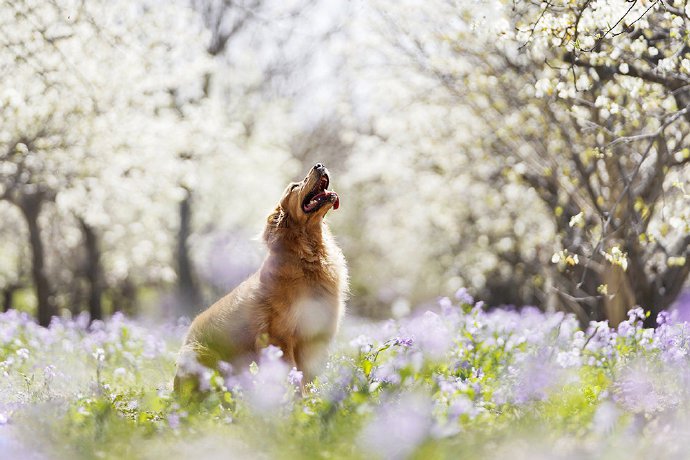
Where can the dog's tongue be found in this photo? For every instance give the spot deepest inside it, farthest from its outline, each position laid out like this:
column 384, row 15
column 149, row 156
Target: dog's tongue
column 320, row 198
column 329, row 194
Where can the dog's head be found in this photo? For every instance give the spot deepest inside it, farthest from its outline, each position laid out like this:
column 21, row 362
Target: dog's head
column 310, row 199
column 305, row 203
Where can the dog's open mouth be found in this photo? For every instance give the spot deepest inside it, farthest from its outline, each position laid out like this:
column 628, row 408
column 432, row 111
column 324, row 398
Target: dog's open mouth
column 319, row 195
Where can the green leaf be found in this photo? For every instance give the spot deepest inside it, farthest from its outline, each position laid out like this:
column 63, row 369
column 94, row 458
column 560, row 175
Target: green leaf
column 366, row 366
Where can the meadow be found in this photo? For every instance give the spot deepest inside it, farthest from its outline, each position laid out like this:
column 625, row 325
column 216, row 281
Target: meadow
column 526, row 153
column 455, row 381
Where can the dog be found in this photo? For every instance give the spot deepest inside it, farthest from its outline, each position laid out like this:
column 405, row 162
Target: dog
column 295, row 300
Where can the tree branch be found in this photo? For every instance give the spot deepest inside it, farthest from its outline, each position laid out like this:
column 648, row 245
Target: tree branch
column 607, row 72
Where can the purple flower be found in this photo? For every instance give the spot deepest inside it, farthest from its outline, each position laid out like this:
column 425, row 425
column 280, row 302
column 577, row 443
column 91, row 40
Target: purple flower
column 626, row 329
column 403, row 341
column 266, row 385
column 174, row 421
column 397, row 428
column 640, row 389
column 386, row 372
column 461, row 405
column 446, row 305
column 663, row 318
column 295, row 377
column 464, row 297
column 535, row 379
column 337, row 388
column 431, row 334
column 636, row 313
column 271, row 353
column 225, row 368
column 682, row 306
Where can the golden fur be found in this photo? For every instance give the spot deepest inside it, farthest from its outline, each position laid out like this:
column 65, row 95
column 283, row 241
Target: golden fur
column 294, row 301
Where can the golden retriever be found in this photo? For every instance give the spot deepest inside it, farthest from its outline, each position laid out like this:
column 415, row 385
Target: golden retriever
column 294, row 301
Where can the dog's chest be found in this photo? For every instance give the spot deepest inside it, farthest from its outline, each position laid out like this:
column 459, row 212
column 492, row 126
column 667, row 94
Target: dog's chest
column 313, row 294
column 315, row 312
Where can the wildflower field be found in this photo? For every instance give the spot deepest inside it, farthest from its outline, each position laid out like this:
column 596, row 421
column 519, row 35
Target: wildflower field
column 455, row 382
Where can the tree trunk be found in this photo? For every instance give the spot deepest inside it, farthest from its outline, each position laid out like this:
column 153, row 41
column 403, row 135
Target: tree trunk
column 93, row 271
column 124, row 297
column 622, row 297
column 30, row 205
column 189, row 298
column 8, row 297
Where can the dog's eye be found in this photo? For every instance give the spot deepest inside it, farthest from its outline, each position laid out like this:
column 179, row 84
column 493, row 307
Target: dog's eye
column 293, row 186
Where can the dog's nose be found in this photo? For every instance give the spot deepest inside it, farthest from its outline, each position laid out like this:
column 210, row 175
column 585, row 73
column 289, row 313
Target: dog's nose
column 319, row 167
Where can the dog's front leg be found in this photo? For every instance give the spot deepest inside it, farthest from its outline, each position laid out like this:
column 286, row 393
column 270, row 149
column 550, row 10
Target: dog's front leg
column 289, row 354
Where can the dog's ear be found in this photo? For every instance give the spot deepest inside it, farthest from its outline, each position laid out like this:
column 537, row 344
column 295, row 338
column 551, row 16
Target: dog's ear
column 285, row 199
column 277, row 220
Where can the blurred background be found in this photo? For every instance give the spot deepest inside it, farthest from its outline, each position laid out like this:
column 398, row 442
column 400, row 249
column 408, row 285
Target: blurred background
column 143, row 143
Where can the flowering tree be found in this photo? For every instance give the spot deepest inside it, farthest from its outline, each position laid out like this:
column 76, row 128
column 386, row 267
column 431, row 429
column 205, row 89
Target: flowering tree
column 615, row 86
column 595, row 127
column 86, row 105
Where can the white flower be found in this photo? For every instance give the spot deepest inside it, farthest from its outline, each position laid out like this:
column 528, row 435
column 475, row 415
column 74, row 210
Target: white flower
column 543, row 87
column 587, row 42
column 685, row 65
column 99, row 355
column 665, row 65
column 577, row 220
column 23, row 353
column 617, row 257
column 564, row 258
